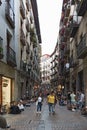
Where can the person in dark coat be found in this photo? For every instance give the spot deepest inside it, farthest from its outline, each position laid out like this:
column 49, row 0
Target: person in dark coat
column 3, row 123
column 14, row 109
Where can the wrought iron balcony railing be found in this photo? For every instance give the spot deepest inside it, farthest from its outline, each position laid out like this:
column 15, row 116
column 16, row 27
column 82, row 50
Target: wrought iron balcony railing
column 1, row 48
column 82, row 47
column 22, row 37
column 1, row 53
column 81, row 7
column 22, row 9
column 27, row 25
column 22, row 65
column 0, row 2
column 27, row 4
column 11, row 57
column 74, row 24
column 10, row 14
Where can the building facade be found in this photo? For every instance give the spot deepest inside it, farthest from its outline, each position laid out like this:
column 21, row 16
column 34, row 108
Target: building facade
column 20, row 50
column 45, row 72
column 54, row 67
column 73, row 35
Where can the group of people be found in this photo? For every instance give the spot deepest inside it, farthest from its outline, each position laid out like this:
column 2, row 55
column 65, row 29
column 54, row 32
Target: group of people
column 16, row 108
column 72, row 100
column 76, row 101
column 51, row 100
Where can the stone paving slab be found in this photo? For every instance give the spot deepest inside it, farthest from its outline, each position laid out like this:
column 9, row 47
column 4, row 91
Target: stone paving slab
column 62, row 120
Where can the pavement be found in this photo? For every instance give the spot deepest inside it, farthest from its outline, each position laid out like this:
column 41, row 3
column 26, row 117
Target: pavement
column 62, row 120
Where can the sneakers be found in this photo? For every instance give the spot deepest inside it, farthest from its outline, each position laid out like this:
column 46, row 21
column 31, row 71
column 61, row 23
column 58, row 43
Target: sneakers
column 73, row 110
column 8, row 126
column 53, row 113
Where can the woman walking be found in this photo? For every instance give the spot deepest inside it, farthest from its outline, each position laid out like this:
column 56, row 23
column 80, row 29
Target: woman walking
column 39, row 103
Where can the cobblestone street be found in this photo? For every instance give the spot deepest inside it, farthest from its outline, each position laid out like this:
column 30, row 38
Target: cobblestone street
column 62, row 120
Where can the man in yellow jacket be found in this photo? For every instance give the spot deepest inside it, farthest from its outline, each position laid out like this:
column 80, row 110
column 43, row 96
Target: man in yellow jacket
column 51, row 102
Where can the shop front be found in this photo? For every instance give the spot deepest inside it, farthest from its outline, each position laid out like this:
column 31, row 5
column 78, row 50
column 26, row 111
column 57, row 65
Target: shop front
column 5, row 92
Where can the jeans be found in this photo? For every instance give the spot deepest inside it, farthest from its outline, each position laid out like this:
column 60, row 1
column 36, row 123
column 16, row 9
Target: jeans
column 81, row 104
column 39, row 106
column 51, row 107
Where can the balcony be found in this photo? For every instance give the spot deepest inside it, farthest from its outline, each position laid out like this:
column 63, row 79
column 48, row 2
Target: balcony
column 27, row 4
column 82, row 48
column 62, row 31
column 73, row 63
column 66, row 71
column 33, row 37
column 27, row 48
column 22, row 9
column 82, row 7
column 1, row 53
column 65, row 1
column 9, row 13
column 27, row 25
column 11, row 57
column 22, row 37
column 0, row 2
column 62, row 16
column 62, row 46
column 72, row 2
column 64, row 38
column 1, row 48
column 65, row 20
column 67, row 31
column 67, row 49
column 22, row 65
column 74, row 26
column 67, row 12
column 62, row 60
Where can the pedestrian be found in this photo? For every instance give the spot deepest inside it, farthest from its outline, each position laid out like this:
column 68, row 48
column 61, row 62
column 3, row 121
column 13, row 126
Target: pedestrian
column 39, row 103
column 51, row 102
column 73, row 100
column 81, row 100
column 77, row 99
column 21, row 106
column 3, row 123
column 14, row 109
column 68, row 98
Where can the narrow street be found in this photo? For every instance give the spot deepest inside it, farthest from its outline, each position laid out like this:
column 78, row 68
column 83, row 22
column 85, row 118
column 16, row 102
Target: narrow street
column 62, row 120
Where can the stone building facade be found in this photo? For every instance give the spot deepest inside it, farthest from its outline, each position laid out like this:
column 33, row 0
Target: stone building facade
column 74, row 22
column 20, row 50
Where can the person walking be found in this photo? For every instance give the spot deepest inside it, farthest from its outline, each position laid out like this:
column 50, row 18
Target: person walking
column 51, row 102
column 81, row 100
column 39, row 103
column 73, row 100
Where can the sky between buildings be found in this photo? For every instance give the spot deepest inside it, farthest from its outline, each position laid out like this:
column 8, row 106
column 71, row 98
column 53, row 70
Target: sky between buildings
column 49, row 17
